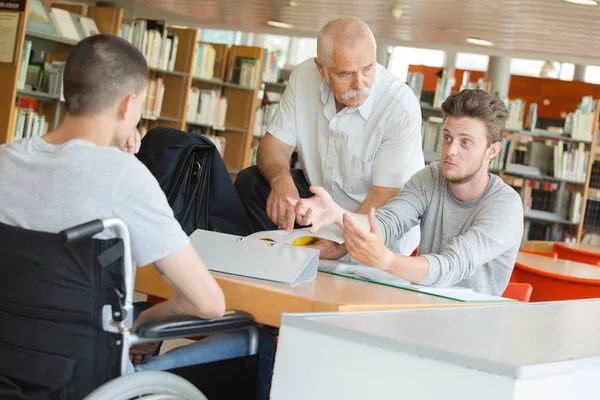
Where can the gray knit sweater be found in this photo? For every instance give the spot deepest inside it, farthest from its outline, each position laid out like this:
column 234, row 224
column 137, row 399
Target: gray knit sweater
column 470, row 244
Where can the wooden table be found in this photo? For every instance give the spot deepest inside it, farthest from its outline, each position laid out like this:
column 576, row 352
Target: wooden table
column 586, row 247
column 557, row 279
column 560, row 267
column 267, row 301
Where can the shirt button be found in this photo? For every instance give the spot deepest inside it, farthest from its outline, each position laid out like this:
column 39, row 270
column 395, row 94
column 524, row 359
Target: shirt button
column 329, row 167
column 334, row 141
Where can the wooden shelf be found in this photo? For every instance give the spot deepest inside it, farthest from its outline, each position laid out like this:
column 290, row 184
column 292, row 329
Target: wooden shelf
column 541, row 133
column 274, row 87
column 50, row 37
column 37, row 95
column 428, row 108
column 168, row 119
column 546, row 216
column 236, row 86
column 594, row 194
column 164, row 71
column 213, row 81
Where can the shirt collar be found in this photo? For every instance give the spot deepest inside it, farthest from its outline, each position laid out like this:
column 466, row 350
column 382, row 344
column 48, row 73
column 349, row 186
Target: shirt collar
column 364, row 109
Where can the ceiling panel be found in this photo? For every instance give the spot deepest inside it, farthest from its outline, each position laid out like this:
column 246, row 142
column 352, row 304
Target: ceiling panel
column 515, row 26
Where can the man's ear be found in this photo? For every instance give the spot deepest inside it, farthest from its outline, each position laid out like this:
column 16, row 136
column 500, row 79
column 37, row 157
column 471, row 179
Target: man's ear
column 320, row 67
column 494, row 149
column 127, row 105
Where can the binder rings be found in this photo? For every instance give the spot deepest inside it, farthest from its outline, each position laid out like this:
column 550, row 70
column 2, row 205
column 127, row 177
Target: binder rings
column 255, row 258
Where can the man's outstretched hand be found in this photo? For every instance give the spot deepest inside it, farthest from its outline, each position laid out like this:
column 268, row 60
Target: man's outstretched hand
column 318, row 211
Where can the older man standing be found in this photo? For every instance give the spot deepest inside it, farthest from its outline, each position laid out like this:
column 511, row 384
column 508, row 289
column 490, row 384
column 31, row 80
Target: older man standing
column 356, row 128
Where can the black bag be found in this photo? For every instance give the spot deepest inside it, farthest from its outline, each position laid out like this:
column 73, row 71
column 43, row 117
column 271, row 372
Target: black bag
column 193, row 175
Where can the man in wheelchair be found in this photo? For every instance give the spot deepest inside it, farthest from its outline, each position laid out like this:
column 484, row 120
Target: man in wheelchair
column 86, row 169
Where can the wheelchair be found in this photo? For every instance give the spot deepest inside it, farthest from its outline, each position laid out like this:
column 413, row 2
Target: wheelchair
column 66, row 311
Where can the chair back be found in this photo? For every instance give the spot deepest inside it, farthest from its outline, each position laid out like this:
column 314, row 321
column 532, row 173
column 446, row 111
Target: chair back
column 568, row 253
column 518, row 291
column 52, row 344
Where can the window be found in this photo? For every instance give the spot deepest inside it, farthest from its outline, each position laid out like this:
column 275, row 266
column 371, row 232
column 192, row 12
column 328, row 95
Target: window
column 402, row 57
column 307, row 48
column 472, row 61
column 217, row 36
column 592, row 74
column 566, row 72
column 520, row 66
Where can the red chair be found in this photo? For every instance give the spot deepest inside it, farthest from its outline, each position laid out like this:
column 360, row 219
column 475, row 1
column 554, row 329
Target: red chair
column 551, row 254
column 553, row 287
column 518, row 291
column 568, row 253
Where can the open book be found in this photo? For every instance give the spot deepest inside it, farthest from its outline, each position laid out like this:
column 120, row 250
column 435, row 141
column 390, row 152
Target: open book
column 375, row 275
column 299, row 237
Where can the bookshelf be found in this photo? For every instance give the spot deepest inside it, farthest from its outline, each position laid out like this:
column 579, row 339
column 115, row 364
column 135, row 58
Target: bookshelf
column 231, row 87
column 43, row 105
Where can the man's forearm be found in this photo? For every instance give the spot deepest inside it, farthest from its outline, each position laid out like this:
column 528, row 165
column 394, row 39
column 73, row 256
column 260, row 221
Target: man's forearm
column 273, row 164
column 377, row 197
column 413, row 269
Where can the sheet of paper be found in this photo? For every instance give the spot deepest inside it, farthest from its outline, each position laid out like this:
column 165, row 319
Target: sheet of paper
column 9, row 24
column 377, row 275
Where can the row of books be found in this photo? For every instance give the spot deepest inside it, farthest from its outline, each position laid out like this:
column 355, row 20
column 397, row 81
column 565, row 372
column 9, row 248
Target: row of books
column 206, row 107
column 431, row 134
column 205, row 56
column 270, row 71
column 262, row 119
column 443, row 89
column 580, row 123
column 154, row 99
column 56, row 21
column 595, row 178
column 560, row 159
column 27, row 123
column 534, row 230
column 499, row 162
column 592, row 213
column 244, row 72
column 157, row 43
column 516, row 113
column 37, row 75
column 570, row 162
column 415, row 80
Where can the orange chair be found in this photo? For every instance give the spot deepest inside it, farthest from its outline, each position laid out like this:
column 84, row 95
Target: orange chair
column 568, row 253
column 552, row 287
column 518, row 291
column 552, row 254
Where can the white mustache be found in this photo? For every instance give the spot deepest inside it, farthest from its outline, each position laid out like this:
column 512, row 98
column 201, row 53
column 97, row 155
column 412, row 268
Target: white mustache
column 356, row 93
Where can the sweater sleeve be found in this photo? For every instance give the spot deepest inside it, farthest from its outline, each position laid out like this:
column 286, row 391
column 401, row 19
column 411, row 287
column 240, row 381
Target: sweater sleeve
column 404, row 211
column 497, row 228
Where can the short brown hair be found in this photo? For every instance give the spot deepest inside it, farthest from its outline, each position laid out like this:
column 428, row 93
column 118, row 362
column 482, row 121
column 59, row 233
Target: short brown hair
column 481, row 105
column 101, row 69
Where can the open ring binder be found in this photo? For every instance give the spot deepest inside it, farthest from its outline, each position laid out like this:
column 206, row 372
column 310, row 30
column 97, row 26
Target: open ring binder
column 255, row 258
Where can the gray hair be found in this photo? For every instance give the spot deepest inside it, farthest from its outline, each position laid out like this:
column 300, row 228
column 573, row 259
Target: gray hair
column 344, row 29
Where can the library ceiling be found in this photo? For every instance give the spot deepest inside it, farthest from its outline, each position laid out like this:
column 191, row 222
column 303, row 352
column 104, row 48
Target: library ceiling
column 517, row 26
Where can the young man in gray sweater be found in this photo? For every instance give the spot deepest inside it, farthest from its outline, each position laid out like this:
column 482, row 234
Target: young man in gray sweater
column 471, row 221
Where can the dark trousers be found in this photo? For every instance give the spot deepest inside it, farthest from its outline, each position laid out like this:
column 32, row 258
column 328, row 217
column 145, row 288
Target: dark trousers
column 254, row 191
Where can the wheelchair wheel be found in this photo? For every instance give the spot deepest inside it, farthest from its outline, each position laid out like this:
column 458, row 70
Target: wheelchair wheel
column 148, row 385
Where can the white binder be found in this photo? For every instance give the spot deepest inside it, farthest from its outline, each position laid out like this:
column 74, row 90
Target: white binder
column 254, row 258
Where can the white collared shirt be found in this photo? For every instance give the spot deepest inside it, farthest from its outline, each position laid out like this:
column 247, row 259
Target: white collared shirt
column 377, row 143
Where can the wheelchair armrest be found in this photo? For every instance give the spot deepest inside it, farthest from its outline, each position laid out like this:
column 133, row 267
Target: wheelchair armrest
column 185, row 326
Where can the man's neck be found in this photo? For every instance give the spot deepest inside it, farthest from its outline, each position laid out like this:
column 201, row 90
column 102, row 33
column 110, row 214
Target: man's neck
column 472, row 189
column 92, row 129
column 339, row 106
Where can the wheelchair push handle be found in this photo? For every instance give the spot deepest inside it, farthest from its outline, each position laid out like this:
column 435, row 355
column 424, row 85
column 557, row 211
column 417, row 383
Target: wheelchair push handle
column 83, row 231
